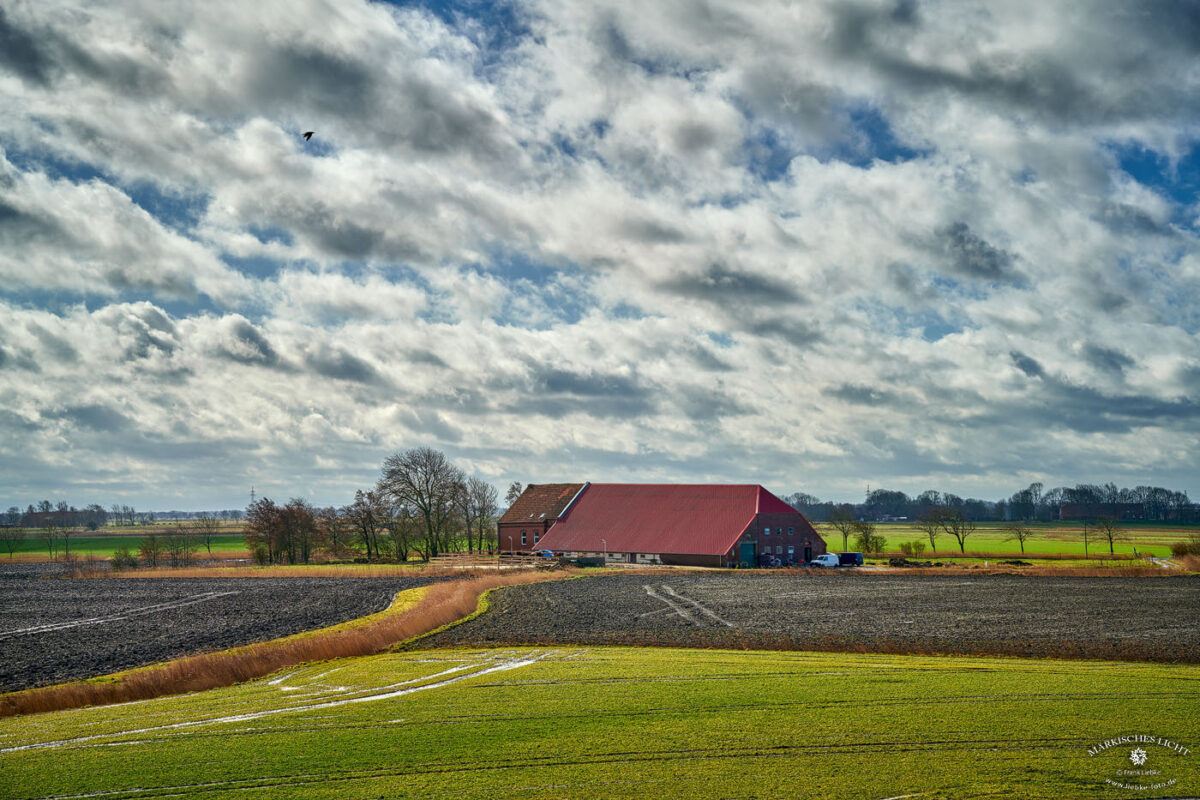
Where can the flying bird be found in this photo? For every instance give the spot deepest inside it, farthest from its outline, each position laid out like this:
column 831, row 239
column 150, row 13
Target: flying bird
column 307, row 135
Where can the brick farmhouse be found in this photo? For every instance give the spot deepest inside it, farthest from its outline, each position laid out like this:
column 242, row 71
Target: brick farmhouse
column 686, row 524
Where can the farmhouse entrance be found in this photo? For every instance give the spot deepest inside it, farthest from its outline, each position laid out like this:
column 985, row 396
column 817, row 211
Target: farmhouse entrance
column 747, row 555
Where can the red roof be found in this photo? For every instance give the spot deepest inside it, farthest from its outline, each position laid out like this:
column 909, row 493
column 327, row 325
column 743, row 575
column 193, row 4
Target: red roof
column 700, row 519
column 541, row 501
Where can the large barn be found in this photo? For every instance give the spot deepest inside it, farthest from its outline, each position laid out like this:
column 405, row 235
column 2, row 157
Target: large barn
column 686, row 524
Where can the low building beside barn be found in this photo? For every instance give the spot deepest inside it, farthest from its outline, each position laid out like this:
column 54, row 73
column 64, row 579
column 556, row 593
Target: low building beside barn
column 527, row 520
column 682, row 524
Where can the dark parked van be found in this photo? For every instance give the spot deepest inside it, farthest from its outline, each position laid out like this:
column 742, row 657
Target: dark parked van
column 850, row 559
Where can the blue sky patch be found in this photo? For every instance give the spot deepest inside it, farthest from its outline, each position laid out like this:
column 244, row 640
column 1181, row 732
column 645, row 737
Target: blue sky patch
column 768, row 153
column 270, row 234
column 1179, row 181
column 882, row 142
column 255, row 266
column 178, row 211
column 496, row 26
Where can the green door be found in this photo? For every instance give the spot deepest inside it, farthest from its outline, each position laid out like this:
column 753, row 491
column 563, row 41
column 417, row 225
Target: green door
column 747, row 557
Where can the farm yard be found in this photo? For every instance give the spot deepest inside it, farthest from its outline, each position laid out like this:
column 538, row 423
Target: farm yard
column 1150, row 618
column 571, row 722
column 59, row 630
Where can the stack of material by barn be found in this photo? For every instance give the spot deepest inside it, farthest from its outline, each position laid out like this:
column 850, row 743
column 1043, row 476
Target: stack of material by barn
column 687, row 524
column 528, row 519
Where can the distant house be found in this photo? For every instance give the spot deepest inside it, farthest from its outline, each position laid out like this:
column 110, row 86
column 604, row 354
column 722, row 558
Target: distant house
column 684, row 524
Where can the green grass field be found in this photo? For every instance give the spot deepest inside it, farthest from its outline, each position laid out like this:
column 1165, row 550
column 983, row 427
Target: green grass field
column 1049, row 539
column 102, row 545
column 625, row 722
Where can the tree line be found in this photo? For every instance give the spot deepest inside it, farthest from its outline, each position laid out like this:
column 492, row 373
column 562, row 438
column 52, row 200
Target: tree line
column 95, row 516
column 1033, row 503
column 422, row 505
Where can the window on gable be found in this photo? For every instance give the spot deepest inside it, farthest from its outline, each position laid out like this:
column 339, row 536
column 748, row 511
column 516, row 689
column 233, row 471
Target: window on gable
column 791, row 531
column 766, row 531
column 522, row 538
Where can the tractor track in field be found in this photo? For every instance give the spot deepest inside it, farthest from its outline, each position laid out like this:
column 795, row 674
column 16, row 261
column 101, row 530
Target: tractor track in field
column 865, row 748
column 341, row 697
column 153, row 608
column 55, row 630
column 1150, row 619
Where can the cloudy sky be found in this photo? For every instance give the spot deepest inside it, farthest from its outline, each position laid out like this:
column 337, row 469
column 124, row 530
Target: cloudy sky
column 815, row 245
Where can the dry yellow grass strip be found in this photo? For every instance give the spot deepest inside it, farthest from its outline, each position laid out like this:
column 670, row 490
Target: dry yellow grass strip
column 440, row 604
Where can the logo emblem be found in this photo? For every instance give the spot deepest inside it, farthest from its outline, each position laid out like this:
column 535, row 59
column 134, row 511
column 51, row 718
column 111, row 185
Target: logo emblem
column 1133, row 771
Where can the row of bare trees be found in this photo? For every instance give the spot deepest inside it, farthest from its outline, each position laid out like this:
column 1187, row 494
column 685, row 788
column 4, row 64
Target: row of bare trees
column 950, row 521
column 423, row 505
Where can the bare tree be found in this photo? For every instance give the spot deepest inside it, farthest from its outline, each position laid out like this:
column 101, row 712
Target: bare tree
column 1088, row 533
column 1019, row 532
column 94, row 516
column 301, row 531
column 366, row 516
column 841, row 519
column 150, row 549
column 403, row 528
column 336, row 530
column 1110, row 530
column 48, row 533
column 465, row 505
column 483, row 496
column 207, row 527
column 959, row 527
column 179, row 546
column 65, row 533
column 477, row 504
column 866, row 539
column 424, row 480
column 12, row 536
column 262, row 530
column 930, row 523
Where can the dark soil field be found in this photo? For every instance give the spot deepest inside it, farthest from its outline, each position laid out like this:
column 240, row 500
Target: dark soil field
column 1156, row 619
column 52, row 630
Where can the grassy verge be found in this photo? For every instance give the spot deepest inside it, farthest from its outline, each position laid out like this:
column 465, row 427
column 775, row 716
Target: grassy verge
column 409, row 616
column 623, row 722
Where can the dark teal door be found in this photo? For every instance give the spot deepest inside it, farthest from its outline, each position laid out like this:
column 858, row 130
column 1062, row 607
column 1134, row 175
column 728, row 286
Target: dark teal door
column 747, row 556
